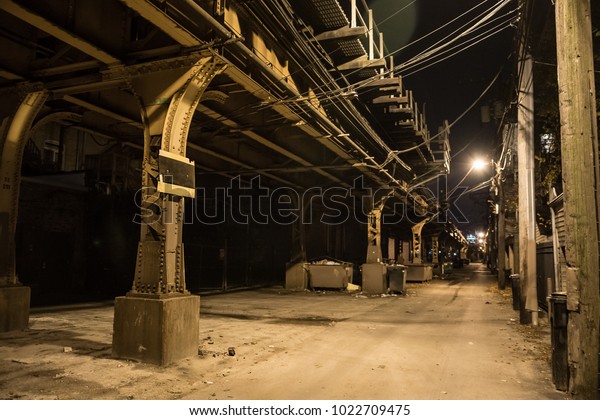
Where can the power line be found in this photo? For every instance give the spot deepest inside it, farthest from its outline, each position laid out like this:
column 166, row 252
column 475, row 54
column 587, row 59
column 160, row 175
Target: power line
column 477, row 39
column 334, row 94
column 395, row 13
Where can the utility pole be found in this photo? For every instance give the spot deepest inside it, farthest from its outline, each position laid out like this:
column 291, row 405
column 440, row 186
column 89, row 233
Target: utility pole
column 579, row 149
column 501, row 234
column 526, row 167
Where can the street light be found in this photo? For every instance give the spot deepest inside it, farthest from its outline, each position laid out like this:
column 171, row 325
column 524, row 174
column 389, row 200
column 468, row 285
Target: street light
column 477, row 164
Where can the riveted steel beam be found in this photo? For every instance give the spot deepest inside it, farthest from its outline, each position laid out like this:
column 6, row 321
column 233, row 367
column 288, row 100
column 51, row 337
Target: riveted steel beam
column 267, row 143
column 169, row 26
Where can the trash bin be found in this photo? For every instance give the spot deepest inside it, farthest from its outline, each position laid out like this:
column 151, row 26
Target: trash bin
column 507, row 274
column 558, row 338
column 516, row 290
column 396, row 275
column 329, row 274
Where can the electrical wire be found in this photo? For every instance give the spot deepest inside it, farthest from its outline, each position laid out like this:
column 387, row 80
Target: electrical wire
column 395, row 13
column 333, row 94
column 457, row 52
column 467, row 44
column 358, row 119
column 484, row 16
column 328, row 91
column 476, row 22
column 465, row 112
column 478, row 187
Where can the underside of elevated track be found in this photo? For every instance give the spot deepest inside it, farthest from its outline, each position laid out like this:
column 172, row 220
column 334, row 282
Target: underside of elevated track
column 259, row 134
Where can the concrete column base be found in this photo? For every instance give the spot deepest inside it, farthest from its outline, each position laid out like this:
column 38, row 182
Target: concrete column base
column 374, row 278
column 296, row 276
column 158, row 331
column 14, row 308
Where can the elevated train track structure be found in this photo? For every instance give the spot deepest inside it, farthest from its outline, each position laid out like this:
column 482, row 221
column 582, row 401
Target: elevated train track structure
column 300, row 93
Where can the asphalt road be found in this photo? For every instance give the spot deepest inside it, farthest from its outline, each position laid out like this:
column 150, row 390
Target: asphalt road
column 455, row 338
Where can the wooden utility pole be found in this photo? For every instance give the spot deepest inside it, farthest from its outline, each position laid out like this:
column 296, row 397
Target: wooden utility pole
column 526, row 167
column 501, row 233
column 579, row 148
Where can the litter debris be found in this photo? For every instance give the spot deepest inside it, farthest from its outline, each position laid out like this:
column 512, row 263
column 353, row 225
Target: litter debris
column 352, row 287
column 208, row 382
column 231, row 351
column 67, row 349
column 22, row 362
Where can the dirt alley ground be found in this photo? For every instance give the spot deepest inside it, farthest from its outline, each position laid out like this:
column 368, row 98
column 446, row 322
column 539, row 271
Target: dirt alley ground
column 455, row 338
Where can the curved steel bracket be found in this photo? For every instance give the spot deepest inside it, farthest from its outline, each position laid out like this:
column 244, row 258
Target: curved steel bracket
column 15, row 134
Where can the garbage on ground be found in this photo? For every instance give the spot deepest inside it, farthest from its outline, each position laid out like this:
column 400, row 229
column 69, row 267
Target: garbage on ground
column 353, row 287
column 231, row 351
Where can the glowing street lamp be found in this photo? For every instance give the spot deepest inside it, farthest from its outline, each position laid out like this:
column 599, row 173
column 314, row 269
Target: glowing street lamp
column 478, row 164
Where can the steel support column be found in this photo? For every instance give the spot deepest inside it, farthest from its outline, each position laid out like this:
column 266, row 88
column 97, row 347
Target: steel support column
column 435, row 249
column 374, row 254
column 169, row 315
column 14, row 298
column 417, row 241
column 374, row 272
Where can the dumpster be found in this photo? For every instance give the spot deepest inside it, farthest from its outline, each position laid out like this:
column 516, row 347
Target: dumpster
column 558, row 338
column 419, row 272
column 329, row 274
